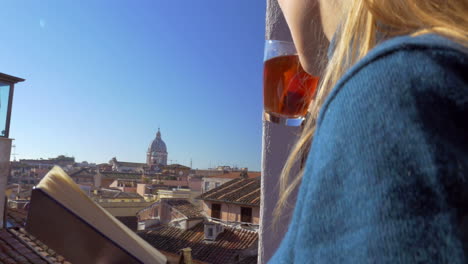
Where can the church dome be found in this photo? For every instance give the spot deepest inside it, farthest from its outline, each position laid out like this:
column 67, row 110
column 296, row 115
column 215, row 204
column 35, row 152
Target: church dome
column 158, row 145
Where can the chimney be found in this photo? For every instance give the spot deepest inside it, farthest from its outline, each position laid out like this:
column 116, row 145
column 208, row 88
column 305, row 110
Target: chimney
column 98, row 179
column 186, row 256
column 244, row 175
column 141, row 225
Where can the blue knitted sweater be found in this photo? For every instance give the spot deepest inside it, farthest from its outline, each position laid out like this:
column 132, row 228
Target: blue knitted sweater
column 386, row 180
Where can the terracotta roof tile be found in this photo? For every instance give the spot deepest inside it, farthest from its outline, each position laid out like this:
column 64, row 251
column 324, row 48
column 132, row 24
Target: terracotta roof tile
column 185, row 207
column 14, row 248
column 17, row 244
column 16, row 217
column 48, row 253
column 239, row 191
column 228, row 244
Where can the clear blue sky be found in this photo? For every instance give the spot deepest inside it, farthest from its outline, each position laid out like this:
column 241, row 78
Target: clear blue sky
column 101, row 76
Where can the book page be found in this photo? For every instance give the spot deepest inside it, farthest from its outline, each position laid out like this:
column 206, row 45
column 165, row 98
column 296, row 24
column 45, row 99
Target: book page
column 62, row 188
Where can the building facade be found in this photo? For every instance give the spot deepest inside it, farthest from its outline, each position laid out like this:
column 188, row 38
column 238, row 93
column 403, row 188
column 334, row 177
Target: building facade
column 237, row 201
column 210, row 182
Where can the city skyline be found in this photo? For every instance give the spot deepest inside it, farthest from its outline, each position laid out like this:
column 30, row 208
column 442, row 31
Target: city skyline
column 189, row 163
column 101, row 77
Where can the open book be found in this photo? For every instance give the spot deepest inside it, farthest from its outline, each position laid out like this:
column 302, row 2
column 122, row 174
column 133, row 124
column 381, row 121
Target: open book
column 63, row 217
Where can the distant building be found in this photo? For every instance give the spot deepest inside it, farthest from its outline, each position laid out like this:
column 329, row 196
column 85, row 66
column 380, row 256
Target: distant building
column 124, row 185
column 119, row 203
column 157, row 152
column 178, row 213
column 104, row 167
column 150, row 190
column 173, row 224
column 121, row 166
column 156, row 160
column 179, row 193
column 237, row 201
column 62, row 161
column 176, row 170
column 106, row 178
column 83, row 176
column 114, row 196
column 205, row 173
column 25, row 174
column 85, row 164
column 189, row 189
column 31, row 171
column 214, row 181
column 224, row 168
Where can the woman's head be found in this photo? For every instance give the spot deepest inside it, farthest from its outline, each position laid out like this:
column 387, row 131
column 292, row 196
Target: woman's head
column 356, row 27
column 305, row 17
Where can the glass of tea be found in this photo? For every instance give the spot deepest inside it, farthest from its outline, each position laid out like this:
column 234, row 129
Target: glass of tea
column 287, row 88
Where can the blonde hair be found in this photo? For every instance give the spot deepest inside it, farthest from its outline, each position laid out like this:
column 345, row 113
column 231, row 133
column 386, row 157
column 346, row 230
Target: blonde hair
column 356, row 36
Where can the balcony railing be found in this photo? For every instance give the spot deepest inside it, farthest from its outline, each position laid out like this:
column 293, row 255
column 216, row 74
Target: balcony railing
column 235, row 224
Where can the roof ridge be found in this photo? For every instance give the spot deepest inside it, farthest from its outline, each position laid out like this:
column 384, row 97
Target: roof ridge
column 224, row 186
column 251, row 193
column 230, row 192
column 237, row 189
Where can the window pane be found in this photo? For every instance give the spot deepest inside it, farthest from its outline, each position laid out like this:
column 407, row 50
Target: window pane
column 216, row 211
column 4, row 94
column 246, row 214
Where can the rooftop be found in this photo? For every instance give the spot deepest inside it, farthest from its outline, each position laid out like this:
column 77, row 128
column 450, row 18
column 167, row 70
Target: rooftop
column 121, row 175
column 16, row 217
column 185, row 207
column 115, row 194
column 238, row 191
column 82, row 173
column 9, row 78
column 235, row 175
column 27, row 249
column 18, row 246
column 227, row 246
column 127, row 164
column 176, row 166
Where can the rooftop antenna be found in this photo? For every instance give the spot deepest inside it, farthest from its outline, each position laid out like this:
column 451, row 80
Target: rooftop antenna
column 14, row 153
column 190, row 162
